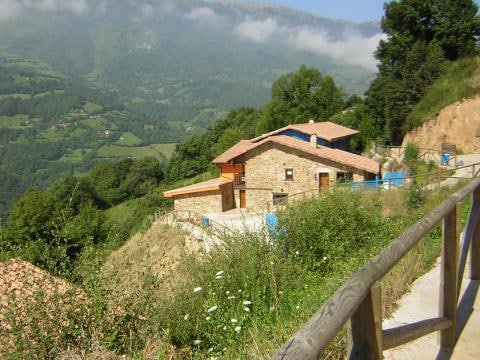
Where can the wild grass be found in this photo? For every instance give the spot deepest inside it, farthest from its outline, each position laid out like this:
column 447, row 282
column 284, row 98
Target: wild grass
column 460, row 81
column 245, row 298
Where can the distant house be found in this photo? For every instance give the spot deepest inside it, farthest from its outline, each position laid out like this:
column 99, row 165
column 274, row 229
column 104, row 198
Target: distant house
column 263, row 170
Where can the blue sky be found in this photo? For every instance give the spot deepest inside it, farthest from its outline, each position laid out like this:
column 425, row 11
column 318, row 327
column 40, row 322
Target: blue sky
column 353, row 10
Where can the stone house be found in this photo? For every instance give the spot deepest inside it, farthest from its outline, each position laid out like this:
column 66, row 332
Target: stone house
column 258, row 173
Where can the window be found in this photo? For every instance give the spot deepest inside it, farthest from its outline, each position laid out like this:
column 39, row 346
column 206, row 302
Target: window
column 288, row 174
column 344, row 177
column 279, row 198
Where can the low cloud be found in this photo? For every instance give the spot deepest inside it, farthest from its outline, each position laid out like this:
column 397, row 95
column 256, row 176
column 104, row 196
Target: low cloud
column 13, row 8
column 352, row 49
column 204, row 15
column 256, row 30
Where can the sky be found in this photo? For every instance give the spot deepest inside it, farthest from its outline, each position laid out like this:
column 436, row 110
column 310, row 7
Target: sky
column 353, row 10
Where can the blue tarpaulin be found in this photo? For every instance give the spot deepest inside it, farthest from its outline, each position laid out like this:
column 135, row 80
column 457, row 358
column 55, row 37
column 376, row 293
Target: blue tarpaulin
column 394, row 177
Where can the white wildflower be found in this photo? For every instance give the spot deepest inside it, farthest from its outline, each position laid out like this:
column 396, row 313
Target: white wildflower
column 239, row 291
column 297, row 252
column 210, row 350
column 247, row 303
column 208, row 318
column 212, row 309
column 237, row 329
column 197, row 342
column 225, row 328
column 227, row 292
column 297, row 307
column 247, row 309
column 197, row 289
column 234, row 321
column 218, row 277
column 186, row 317
column 231, row 297
column 324, row 258
column 272, row 263
column 220, row 273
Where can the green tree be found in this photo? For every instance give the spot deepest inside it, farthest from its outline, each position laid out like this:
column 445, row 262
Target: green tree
column 300, row 96
column 421, row 36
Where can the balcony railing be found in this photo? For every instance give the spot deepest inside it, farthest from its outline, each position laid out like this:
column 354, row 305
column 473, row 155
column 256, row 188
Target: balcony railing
column 239, row 179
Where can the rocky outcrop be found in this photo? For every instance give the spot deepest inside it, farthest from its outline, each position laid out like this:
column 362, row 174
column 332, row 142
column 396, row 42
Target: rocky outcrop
column 457, row 124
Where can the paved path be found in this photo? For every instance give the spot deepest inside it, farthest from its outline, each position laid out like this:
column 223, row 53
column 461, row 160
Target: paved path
column 422, row 303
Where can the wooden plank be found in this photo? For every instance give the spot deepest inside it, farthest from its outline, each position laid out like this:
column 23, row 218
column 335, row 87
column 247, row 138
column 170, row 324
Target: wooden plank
column 310, row 340
column 448, row 277
column 366, row 327
column 470, row 230
column 403, row 334
column 475, row 247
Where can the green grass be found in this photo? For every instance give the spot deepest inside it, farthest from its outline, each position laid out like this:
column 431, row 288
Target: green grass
column 14, row 122
column 165, row 149
column 128, row 139
column 91, row 107
column 73, row 156
column 461, row 80
column 97, row 123
column 51, row 135
column 17, row 96
column 112, row 151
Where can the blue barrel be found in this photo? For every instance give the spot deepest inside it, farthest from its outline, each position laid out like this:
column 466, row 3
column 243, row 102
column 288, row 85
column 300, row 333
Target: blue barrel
column 445, row 158
column 205, row 220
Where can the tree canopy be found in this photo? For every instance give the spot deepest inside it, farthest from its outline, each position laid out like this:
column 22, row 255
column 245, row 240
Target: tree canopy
column 421, row 37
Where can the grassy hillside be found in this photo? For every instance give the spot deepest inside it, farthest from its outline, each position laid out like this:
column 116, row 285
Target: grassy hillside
column 52, row 126
column 460, row 80
column 159, row 296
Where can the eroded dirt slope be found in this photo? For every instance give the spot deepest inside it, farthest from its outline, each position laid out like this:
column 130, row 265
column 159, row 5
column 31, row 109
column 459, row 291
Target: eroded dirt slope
column 457, row 124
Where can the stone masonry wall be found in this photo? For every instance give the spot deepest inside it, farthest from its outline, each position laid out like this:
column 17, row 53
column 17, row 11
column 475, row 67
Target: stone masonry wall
column 202, row 203
column 265, row 173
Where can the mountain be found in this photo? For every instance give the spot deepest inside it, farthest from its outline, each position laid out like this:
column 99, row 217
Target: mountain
column 52, row 125
column 187, row 61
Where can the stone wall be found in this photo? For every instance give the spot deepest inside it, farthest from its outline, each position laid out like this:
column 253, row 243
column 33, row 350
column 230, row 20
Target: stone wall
column 265, row 173
column 202, row 203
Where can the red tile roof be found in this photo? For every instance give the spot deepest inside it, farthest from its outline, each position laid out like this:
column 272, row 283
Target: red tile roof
column 325, row 130
column 209, row 185
column 335, row 155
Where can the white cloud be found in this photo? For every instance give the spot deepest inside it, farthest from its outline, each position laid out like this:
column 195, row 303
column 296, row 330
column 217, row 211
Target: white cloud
column 204, row 15
column 256, row 30
column 352, row 49
column 12, row 8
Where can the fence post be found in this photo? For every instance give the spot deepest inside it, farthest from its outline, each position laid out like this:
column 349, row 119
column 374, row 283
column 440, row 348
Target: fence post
column 366, row 327
column 449, row 274
column 475, row 246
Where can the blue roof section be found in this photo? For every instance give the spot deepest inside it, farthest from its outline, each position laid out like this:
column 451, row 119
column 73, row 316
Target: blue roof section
column 295, row 134
column 302, row 136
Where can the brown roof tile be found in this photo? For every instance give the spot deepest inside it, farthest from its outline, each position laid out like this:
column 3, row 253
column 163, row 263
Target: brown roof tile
column 208, row 185
column 339, row 156
column 325, row 130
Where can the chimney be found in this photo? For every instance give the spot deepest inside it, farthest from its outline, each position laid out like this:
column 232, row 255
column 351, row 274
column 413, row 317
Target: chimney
column 311, row 121
column 313, row 140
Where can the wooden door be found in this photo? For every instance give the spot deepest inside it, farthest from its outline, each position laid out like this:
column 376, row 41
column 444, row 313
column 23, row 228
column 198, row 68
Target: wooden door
column 323, row 181
column 243, row 199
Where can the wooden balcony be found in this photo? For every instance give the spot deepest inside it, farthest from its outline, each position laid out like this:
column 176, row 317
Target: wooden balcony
column 239, row 180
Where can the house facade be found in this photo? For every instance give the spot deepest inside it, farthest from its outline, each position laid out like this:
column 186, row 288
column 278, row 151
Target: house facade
column 258, row 173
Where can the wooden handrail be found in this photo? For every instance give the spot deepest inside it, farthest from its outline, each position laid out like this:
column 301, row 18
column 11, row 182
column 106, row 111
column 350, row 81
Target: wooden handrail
column 356, row 293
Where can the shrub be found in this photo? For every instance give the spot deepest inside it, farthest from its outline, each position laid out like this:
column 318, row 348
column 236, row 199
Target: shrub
column 321, row 232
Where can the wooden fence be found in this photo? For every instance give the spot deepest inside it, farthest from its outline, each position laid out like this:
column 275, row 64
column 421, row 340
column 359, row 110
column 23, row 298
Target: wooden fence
column 358, row 300
column 426, row 155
